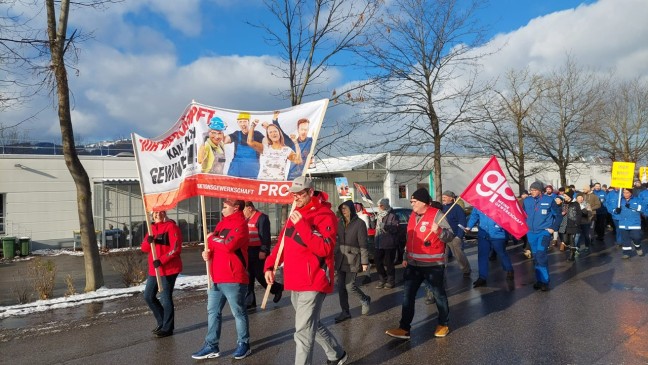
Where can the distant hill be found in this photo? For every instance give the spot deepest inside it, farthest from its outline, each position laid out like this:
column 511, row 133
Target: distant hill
column 107, row 148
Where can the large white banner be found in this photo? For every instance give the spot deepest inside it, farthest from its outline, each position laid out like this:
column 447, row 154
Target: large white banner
column 211, row 151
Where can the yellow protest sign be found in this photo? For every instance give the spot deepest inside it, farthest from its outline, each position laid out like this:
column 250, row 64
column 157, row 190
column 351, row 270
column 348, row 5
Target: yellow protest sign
column 622, row 174
column 643, row 174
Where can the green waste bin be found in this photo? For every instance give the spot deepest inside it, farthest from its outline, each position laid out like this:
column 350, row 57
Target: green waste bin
column 8, row 247
column 24, row 246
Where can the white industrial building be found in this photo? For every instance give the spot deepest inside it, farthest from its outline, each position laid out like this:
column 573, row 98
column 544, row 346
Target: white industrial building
column 38, row 195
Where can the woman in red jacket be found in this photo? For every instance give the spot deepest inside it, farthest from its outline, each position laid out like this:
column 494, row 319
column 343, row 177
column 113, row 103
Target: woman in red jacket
column 166, row 236
column 228, row 251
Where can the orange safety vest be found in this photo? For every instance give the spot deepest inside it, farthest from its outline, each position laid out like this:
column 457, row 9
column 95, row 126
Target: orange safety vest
column 417, row 234
column 255, row 240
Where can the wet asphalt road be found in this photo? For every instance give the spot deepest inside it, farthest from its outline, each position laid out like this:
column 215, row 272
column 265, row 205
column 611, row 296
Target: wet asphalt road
column 596, row 313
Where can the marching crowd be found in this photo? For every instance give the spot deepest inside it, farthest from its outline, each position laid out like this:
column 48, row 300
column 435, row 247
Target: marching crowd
column 316, row 247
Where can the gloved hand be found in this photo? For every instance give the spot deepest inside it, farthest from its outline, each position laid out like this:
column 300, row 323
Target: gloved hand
column 628, row 205
column 427, row 243
column 617, row 210
column 157, row 263
column 149, row 239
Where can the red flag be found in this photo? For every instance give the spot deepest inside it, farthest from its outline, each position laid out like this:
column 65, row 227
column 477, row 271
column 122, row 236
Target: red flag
column 491, row 193
column 362, row 190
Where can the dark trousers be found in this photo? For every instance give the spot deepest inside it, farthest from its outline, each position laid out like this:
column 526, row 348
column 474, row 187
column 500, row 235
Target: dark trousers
column 599, row 225
column 162, row 308
column 413, row 278
column 255, row 271
column 385, row 265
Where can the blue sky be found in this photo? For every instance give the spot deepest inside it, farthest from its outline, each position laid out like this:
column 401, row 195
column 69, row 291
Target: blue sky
column 149, row 58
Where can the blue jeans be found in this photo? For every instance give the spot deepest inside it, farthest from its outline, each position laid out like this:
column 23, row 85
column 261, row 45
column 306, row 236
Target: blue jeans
column 539, row 243
column 162, row 308
column 484, row 246
column 584, row 235
column 414, row 277
column 234, row 294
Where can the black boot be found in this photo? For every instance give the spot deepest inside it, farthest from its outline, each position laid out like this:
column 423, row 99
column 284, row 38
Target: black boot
column 572, row 254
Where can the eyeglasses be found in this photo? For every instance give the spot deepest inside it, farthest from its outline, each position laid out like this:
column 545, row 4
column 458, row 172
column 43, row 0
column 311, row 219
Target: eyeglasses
column 300, row 193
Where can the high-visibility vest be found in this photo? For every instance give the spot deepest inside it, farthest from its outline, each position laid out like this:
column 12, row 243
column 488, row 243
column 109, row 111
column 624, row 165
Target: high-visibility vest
column 255, row 240
column 417, row 234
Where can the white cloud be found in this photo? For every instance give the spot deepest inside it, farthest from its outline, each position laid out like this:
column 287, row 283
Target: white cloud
column 607, row 35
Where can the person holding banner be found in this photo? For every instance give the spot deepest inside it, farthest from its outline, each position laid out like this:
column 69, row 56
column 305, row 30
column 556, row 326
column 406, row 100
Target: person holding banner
column 211, row 155
column 227, row 249
column 490, row 236
column 629, row 213
column 259, row 247
column 543, row 219
column 424, row 259
column 245, row 162
column 307, row 246
column 166, row 237
column 274, row 153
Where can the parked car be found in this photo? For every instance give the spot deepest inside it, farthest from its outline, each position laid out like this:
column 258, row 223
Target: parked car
column 403, row 215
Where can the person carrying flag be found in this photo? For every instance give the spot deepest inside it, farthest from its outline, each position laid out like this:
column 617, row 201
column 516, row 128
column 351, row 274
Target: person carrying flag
column 424, row 259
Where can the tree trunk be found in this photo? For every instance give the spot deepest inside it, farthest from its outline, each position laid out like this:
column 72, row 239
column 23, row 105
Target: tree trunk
column 57, row 43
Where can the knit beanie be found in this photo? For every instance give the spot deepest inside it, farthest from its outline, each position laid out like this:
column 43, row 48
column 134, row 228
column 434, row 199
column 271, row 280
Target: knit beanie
column 384, row 202
column 422, row 195
column 536, row 185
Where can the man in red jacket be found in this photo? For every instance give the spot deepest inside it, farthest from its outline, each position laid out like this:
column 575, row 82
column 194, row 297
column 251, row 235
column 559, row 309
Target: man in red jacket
column 308, row 241
column 167, row 239
column 227, row 248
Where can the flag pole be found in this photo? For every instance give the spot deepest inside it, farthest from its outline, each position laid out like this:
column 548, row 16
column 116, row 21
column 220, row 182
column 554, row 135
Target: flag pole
column 146, row 217
column 443, row 217
column 204, row 224
column 311, row 154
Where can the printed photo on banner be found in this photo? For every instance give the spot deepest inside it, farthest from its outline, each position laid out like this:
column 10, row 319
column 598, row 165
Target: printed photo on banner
column 342, row 185
column 211, row 151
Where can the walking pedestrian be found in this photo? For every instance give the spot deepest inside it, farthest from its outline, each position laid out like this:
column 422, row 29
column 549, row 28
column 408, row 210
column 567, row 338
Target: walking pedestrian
column 543, row 214
column 167, row 239
column 351, row 255
column 308, row 257
column 629, row 213
column 258, row 249
column 227, row 248
column 489, row 237
column 386, row 244
column 600, row 223
column 427, row 236
column 456, row 218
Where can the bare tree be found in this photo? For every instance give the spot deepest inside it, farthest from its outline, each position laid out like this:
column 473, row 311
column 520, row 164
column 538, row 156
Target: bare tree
column 622, row 133
column 59, row 43
column 507, row 112
column 425, row 75
column 572, row 105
